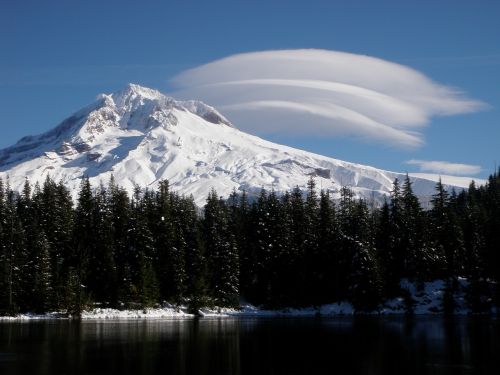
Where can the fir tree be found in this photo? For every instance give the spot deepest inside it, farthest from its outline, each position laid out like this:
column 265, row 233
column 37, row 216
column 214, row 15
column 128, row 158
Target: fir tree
column 26, row 253
column 188, row 227
column 221, row 253
column 4, row 252
column 263, row 249
column 364, row 279
column 42, row 274
column 169, row 246
column 311, row 251
column 475, row 247
column 396, row 268
column 55, row 207
column 83, row 236
column 101, row 278
column 296, row 252
column 365, row 284
column 278, row 245
column 447, row 235
column 36, row 276
column 490, row 196
column 365, row 288
column 384, row 250
column 140, row 244
column 117, row 261
column 242, row 226
column 419, row 257
column 329, row 261
column 14, row 258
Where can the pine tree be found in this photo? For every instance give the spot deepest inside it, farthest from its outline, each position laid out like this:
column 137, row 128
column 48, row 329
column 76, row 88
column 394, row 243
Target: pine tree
column 24, row 202
column 83, row 236
column 188, row 226
column 284, row 253
column 36, row 276
column 346, row 207
column 169, row 246
column 117, row 261
column 179, row 247
column 278, row 245
column 365, row 283
column 101, row 278
column 221, row 253
column 364, row 277
column 346, row 234
column 242, row 226
column 491, row 203
column 398, row 248
column 263, row 249
column 140, row 244
column 311, row 276
column 447, row 235
column 4, row 252
column 384, row 247
column 472, row 217
column 365, row 288
column 328, row 263
column 419, row 258
column 14, row 257
column 28, row 214
column 42, row 274
column 268, row 253
column 296, row 252
column 55, row 206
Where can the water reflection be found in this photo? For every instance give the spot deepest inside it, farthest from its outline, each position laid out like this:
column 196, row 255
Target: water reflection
column 364, row 345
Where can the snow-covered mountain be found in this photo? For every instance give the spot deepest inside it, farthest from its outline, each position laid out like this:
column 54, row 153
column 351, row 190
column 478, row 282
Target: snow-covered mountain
column 141, row 136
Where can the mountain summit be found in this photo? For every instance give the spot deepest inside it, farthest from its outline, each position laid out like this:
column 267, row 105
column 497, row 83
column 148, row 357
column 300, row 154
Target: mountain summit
column 141, row 137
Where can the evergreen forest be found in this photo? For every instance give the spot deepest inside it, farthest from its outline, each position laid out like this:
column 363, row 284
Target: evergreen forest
column 296, row 249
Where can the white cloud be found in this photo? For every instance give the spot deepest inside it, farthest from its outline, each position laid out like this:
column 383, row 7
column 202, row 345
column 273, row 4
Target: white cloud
column 323, row 93
column 445, row 167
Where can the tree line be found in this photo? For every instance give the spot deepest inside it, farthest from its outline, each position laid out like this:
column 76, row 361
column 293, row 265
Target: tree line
column 276, row 250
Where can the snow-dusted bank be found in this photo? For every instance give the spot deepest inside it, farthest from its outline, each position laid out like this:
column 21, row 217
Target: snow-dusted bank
column 427, row 300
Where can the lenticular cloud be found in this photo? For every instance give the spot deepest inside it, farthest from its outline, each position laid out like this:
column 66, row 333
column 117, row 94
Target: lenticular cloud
column 323, row 93
column 438, row 166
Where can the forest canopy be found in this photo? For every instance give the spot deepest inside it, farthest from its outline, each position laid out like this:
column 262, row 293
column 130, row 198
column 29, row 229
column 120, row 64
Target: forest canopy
column 278, row 250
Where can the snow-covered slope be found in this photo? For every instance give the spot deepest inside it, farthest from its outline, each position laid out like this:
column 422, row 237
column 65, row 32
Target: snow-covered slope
column 140, row 136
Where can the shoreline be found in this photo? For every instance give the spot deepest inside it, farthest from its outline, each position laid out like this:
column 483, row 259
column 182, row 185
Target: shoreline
column 247, row 311
column 425, row 301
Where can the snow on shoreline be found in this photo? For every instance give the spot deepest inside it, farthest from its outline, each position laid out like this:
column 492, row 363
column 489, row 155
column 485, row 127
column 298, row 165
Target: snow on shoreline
column 427, row 301
column 181, row 312
column 247, row 310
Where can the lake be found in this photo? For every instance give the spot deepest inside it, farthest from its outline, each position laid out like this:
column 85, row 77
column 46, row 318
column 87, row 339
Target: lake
column 348, row 345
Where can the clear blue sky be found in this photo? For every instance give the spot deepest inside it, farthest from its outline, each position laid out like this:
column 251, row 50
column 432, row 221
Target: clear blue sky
column 56, row 56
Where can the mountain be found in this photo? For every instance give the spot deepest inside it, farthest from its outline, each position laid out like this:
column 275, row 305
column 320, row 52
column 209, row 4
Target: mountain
column 141, row 136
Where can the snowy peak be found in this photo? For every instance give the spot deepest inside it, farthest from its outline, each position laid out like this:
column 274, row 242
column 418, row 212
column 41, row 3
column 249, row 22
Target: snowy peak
column 157, row 105
column 141, row 137
column 132, row 91
column 133, row 108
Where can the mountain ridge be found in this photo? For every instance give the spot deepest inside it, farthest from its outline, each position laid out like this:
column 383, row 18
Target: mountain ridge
column 140, row 136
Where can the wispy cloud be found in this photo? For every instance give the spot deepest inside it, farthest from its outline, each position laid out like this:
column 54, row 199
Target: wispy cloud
column 445, row 167
column 325, row 93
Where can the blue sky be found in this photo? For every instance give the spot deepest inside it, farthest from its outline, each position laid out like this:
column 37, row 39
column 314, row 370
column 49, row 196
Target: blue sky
column 58, row 55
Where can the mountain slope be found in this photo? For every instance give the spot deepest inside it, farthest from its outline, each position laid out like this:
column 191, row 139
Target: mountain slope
column 141, row 137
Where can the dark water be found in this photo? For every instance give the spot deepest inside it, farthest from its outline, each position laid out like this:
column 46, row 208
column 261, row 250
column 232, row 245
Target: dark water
column 253, row 346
